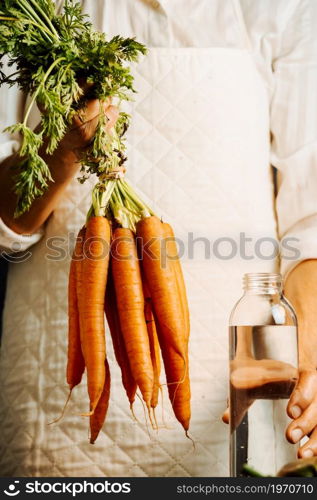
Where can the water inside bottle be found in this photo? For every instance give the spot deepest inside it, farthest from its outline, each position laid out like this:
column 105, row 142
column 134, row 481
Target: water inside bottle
column 263, row 373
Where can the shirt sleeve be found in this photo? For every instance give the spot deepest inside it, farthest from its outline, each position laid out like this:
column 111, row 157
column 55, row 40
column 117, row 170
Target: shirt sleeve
column 11, row 242
column 12, row 103
column 294, row 136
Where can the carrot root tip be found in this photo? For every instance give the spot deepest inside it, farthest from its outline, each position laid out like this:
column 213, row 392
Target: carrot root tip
column 63, row 410
column 191, row 439
column 133, row 414
column 89, row 414
column 155, row 420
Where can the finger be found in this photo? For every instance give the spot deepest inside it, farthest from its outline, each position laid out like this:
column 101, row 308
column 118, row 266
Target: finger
column 303, row 394
column 107, row 102
column 309, row 449
column 112, row 113
column 303, row 425
column 84, row 85
column 90, row 111
column 226, row 416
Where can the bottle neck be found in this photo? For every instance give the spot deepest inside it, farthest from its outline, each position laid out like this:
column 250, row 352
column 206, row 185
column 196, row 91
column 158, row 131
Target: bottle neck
column 263, row 283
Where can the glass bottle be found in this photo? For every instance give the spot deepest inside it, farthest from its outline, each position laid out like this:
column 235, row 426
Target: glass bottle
column 263, row 373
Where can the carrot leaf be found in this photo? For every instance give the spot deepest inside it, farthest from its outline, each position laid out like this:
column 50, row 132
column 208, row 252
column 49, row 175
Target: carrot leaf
column 51, row 53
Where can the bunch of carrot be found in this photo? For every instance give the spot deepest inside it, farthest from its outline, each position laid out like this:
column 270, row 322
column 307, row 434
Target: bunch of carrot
column 128, row 270
column 139, row 288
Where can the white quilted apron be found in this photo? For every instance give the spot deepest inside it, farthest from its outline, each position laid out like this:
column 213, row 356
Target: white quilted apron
column 199, row 154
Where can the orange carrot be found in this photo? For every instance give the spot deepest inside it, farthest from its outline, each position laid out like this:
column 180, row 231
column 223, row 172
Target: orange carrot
column 130, row 300
column 160, row 277
column 112, row 315
column 172, row 253
column 169, row 316
column 179, row 391
column 75, row 359
column 154, row 345
column 94, row 279
column 99, row 416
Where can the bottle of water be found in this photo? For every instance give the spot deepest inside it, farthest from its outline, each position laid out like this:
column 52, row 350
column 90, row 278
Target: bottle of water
column 263, row 373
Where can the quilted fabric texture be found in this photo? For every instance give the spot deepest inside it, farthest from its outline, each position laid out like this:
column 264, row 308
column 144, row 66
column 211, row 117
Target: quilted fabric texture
column 204, row 169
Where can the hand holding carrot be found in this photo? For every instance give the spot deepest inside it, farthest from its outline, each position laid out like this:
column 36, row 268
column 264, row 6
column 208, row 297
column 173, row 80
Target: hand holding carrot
column 63, row 166
column 84, row 124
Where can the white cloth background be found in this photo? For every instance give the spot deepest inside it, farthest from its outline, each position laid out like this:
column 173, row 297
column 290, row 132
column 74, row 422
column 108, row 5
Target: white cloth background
column 209, row 93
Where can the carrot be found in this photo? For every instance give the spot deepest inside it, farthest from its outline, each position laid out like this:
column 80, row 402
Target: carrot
column 154, row 345
column 168, row 311
column 99, row 416
column 75, row 359
column 112, row 316
column 160, row 277
column 178, row 390
column 94, row 278
column 172, row 253
column 130, row 300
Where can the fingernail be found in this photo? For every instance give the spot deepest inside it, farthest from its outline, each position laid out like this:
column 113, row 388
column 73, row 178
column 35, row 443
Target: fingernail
column 308, row 453
column 296, row 411
column 296, row 434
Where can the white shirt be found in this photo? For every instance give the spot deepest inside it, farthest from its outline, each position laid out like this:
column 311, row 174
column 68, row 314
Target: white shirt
column 282, row 35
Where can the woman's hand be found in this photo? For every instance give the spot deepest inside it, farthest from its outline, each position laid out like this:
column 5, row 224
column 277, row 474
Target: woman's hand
column 302, row 408
column 252, row 379
column 301, row 290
